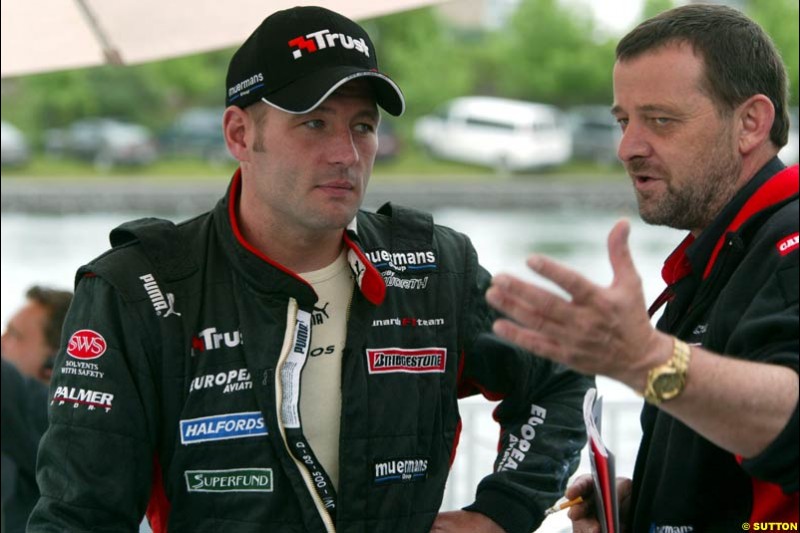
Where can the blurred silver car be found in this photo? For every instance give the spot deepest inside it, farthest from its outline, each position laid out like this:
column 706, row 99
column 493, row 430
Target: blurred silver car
column 496, row 132
column 103, row 141
column 197, row 133
column 15, row 150
column 595, row 134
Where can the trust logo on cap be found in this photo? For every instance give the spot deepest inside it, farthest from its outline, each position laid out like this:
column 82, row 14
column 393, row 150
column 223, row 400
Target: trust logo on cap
column 322, row 39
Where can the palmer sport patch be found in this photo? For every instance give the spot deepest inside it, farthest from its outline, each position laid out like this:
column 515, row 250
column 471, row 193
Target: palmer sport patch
column 223, row 427
column 414, row 361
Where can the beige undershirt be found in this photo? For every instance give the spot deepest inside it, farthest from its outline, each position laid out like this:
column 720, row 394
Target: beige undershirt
column 320, row 388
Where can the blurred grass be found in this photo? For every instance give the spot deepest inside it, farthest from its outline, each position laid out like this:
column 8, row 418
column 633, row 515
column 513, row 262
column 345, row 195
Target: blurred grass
column 411, row 164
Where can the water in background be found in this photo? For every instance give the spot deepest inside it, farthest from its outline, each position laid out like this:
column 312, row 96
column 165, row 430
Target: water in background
column 48, row 249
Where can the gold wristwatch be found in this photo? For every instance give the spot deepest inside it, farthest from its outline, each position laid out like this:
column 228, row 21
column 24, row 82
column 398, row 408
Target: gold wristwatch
column 667, row 381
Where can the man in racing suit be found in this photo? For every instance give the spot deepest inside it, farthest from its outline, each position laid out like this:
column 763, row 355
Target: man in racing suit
column 287, row 362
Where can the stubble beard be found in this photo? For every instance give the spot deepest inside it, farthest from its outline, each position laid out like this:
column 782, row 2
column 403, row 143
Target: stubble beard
column 693, row 204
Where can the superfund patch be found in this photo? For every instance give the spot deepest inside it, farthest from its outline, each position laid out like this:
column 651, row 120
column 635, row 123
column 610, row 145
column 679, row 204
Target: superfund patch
column 415, row 361
column 223, row 427
column 233, row 480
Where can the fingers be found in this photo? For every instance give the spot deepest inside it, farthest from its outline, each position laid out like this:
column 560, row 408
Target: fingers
column 526, row 303
column 583, row 485
column 576, row 285
column 619, row 253
column 526, row 338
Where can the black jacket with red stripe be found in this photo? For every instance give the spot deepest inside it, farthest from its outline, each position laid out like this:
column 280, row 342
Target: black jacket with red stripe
column 185, row 348
column 733, row 291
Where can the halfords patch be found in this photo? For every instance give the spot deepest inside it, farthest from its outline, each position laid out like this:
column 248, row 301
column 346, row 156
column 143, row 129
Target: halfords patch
column 233, row 480
column 223, row 427
column 421, row 360
column 86, row 344
column 92, row 399
column 405, row 470
column 789, row 244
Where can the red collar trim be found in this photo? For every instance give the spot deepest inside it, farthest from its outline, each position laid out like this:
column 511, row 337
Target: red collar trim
column 677, row 265
column 777, row 189
column 232, row 200
column 368, row 278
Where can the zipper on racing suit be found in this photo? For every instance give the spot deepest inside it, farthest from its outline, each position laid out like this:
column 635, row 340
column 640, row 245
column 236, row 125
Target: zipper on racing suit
column 287, row 392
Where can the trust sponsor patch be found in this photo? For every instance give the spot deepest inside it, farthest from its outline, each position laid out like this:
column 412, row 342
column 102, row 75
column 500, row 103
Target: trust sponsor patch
column 400, row 470
column 223, row 427
column 418, row 360
column 232, row 480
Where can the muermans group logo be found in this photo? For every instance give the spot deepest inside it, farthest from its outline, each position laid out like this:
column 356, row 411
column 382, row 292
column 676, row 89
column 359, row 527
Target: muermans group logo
column 415, row 361
column 319, row 40
column 414, row 261
column 86, row 344
column 245, row 86
column 403, row 470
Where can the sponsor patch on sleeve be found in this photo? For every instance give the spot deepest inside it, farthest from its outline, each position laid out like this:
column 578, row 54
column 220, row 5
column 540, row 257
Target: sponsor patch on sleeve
column 414, row 361
column 86, row 344
column 789, row 244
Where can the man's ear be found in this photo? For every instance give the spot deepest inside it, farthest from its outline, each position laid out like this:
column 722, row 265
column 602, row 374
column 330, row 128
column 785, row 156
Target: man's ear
column 235, row 123
column 755, row 118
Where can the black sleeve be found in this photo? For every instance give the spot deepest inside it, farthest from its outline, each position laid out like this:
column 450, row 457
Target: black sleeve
column 540, row 416
column 96, row 458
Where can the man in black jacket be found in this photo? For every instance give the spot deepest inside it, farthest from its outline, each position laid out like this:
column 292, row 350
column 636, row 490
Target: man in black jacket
column 700, row 94
column 287, row 362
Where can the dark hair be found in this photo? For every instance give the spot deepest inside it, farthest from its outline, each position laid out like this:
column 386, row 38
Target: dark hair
column 740, row 59
column 56, row 303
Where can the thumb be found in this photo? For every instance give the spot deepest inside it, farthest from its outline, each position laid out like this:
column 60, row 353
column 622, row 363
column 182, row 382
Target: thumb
column 619, row 252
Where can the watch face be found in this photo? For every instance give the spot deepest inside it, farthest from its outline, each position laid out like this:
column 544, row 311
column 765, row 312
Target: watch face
column 668, row 385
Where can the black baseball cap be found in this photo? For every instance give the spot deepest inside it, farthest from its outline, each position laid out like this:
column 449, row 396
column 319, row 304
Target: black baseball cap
column 297, row 57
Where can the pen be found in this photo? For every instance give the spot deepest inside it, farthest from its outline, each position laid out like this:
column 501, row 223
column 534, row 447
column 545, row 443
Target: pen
column 563, row 504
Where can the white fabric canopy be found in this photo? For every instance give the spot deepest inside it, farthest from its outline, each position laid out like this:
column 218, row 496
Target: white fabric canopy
column 48, row 35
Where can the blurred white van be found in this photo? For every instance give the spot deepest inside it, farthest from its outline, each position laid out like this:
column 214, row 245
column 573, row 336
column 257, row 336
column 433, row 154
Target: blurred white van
column 496, row 132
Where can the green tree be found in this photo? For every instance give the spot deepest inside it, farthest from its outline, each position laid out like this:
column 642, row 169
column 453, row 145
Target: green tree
column 549, row 53
column 779, row 18
column 654, row 7
column 423, row 56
